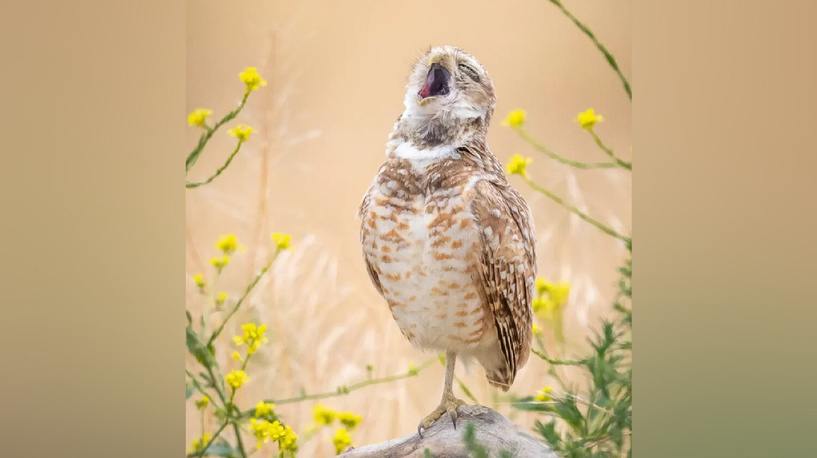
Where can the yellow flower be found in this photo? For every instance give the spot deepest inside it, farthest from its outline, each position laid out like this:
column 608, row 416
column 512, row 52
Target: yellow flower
column 515, row 118
column 241, row 132
column 542, row 304
column 228, row 244
column 288, row 440
column 199, row 443
column 252, row 79
column 535, row 329
column 219, row 262
column 199, row 280
column 588, row 119
column 198, row 117
column 236, row 356
column 265, row 431
column 201, row 404
column 560, row 292
column 221, row 297
column 323, row 415
column 236, row 378
column 341, row 440
column 281, row 240
column 544, row 394
column 518, row 165
column 349, row 419
column 253, row 337
column 263, row 408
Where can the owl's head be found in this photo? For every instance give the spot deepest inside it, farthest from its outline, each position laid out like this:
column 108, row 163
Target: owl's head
column 449, row 86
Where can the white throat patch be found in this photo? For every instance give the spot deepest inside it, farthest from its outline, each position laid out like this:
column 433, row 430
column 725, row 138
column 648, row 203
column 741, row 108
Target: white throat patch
column 421, row 158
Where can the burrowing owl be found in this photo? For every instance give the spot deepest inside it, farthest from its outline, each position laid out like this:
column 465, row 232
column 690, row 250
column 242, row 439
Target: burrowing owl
column 447, row 241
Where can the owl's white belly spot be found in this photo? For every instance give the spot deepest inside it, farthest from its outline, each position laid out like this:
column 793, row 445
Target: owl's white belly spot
column 422, row 251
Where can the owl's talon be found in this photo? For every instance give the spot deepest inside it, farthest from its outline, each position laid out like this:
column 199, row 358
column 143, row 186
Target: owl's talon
column 448, row 404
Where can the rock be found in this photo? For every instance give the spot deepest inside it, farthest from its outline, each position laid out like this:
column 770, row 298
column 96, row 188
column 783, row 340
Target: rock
column 492, row 431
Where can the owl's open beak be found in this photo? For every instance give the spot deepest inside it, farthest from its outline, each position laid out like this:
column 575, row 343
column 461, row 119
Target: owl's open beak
column 436, row 82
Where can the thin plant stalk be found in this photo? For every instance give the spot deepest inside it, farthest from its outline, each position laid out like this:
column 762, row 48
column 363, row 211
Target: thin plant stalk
column 603, row 227
column 209, row 131
column 243, row 297
column 563, row 160
column 218, row 171
column 610, row 59
column 622, row 163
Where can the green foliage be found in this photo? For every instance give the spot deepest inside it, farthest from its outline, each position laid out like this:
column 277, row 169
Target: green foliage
column 598, row 421
column 471, row 444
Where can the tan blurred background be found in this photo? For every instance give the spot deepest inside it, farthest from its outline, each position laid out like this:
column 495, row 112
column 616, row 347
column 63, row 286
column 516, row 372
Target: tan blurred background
column 336, row 74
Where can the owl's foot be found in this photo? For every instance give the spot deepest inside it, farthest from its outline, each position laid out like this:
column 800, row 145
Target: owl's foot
column 448, row 404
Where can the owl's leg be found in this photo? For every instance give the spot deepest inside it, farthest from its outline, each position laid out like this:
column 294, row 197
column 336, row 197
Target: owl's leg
column 449, row 403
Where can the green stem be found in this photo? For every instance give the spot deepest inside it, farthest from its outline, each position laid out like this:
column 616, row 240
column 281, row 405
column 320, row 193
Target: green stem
column 579, row 165
column 467, row 391
column 560, row 362
column 610, row 59
column 622, row 163
column 238, row 440
column 205, row 137
column 198, row 386
column 219, row 171
column 244, row 296
column 603, row 227
column 203, row 450
column 340, row 391
column 552, row 369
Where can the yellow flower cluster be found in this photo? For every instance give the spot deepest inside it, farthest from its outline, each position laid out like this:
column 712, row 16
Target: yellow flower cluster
column 198, row 117
column 282, row 241
column 349, row 419
column 262, row 409
column 220, row 262
column 202, row 403
column 228, row 244
column 543, row 395
column 199, row 443
column 515, row 118
column 236, row 378
column 252, row 79
column 221, row 297
column 518, row 165
column 535, row 329
column 266, row 431
column 323, row 415
column 241, row 132
column 342, row 439
column 198, row 279
column 551, row 297
column 588, row 119
column 253, row 337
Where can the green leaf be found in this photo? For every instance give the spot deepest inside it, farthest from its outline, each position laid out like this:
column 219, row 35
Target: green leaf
column 548, row 431
column 522, row 404
column 190, row 390
column 221, row 449
column 198, row 349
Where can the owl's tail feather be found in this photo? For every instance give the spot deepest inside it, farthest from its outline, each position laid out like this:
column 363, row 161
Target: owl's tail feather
column 499, row 379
